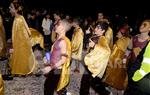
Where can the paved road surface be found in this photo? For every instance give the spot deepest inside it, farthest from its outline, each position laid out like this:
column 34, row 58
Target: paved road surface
column 33, row 85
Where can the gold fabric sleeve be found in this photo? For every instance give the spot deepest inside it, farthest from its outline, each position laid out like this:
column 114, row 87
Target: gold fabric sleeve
column 109, row 37
column 3, row 38
column 53, row 36
column 1, row 85
column 1, row 44
column 97, row 59
column 77, row 44
column 36, row 38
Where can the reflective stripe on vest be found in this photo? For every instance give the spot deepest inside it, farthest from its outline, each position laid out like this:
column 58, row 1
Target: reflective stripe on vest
column 142, row 72
column 146, row 60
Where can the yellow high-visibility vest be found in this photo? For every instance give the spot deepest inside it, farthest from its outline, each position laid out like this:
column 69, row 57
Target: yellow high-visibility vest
column 145, row 66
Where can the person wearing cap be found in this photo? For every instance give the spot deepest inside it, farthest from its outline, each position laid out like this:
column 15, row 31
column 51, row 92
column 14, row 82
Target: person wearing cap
column 116, row 75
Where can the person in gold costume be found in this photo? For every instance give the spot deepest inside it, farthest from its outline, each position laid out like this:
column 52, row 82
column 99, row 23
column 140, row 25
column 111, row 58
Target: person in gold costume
column 3, row 38
column 1, row 85
column 1, row 79
column 77, row 44
column 22, row 60
column 109, row 33
column 101, row 17
column 96, row 62
column 58, row 71
column 109, row 37
column 57, row 17
column 116, row 75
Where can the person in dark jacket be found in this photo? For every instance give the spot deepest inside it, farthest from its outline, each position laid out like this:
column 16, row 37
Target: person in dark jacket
column 139, row 84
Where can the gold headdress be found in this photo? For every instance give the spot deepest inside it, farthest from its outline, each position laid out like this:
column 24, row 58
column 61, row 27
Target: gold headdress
column 20, row 8
column 18, row 5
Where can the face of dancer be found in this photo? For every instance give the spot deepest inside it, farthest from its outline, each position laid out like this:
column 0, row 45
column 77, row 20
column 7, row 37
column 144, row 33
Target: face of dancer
column 67, row 17
column 12, row 9
column 99, row 31
column 59, row 27
column 74, row 24
column 47, row 16
column 100, row 16
column 56, row 17
column 145, row 27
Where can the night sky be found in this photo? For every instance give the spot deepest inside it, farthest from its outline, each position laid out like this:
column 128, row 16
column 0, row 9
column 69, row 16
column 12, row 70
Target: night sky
column 88, row 7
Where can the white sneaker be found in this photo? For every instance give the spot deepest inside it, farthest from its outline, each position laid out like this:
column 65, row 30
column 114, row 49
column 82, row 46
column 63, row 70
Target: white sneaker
column 68, row 93
column 108, row 88
column 111, row 93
